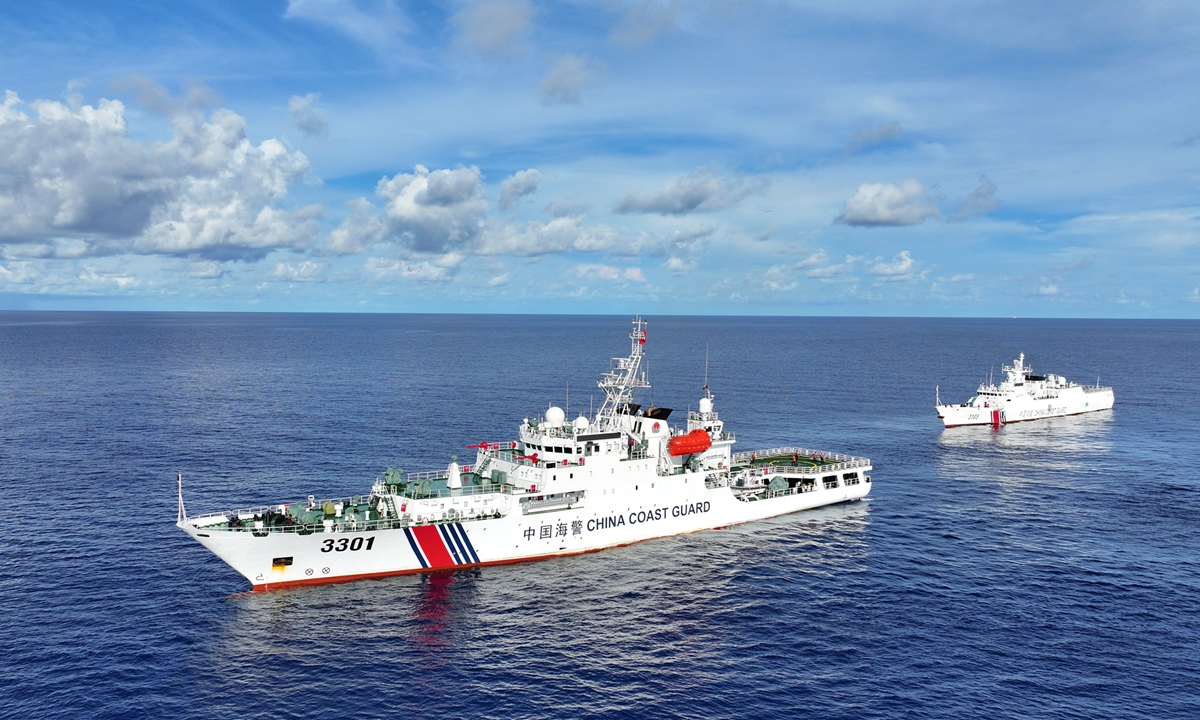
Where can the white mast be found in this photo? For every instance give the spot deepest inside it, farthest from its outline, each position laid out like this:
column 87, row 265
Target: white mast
column 619, row 383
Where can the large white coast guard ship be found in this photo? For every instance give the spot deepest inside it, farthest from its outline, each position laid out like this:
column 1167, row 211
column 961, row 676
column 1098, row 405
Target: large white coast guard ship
column 563, row 487
column 1025, row 396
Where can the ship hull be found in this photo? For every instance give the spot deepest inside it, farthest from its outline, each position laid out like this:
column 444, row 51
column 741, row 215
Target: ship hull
column 673, row 505
column 1071, row 401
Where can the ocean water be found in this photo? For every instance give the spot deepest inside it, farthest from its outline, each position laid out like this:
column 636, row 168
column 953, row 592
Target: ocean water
column 1044, row 569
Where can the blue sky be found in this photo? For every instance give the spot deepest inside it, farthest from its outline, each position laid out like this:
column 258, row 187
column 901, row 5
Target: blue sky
column 947, row 158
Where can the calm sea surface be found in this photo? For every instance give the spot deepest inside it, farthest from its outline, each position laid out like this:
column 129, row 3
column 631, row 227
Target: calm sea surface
column 1045, row 570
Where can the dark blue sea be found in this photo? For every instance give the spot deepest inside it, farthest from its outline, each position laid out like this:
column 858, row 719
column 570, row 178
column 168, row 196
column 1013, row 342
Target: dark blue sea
column 1045, row 570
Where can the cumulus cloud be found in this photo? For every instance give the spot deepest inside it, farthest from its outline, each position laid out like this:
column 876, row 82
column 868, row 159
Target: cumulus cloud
column 490, row 27
column 517, row 186
column 389, row 269
column 361, row 229
column 563, row 84
column 981, row 200
column 306, row 117
column 76, row 175
column 785, row 277
column 643, row 21
column 443, row 212
column 888, row 204
column 684, row 249
column 608, row 272
column 1048, row 289
column 818, row 270
column 867, row 137
column 375, row 23
column 565, row 234
column 305, row 271
column 900, row 269
column 434, row 212
column 698, row 191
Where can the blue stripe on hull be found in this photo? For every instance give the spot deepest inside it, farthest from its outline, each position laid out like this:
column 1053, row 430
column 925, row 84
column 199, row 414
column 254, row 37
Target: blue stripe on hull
column 416, row 551
column 450, row 545
column 466, row 542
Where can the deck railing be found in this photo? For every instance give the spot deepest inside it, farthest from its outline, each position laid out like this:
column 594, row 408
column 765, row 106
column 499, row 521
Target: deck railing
column 839, row 461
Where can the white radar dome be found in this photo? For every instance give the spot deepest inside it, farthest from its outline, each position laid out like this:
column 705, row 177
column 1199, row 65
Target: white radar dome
column 581, row 423
column 555, row 416
column 705, row 405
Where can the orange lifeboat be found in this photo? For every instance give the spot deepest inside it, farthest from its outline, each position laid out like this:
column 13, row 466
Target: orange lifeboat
column 694, row 442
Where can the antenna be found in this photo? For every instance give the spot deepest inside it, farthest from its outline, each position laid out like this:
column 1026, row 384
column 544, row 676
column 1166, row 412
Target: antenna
column 567, row 412
column 705, row 366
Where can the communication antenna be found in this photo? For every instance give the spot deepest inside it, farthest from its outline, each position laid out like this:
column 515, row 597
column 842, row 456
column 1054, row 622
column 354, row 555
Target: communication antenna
column 567, row 412
column 705, row 366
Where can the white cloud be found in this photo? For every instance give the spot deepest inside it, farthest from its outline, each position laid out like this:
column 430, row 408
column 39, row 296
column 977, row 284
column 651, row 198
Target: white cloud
column 778, row 278
column 498, row 280
column 377, row 24
column 820, row 271
column 490, row 27
column 92, row 276
column 608, row 272
column 684, row 249
column 437, row 211
column 785, row 277
column 564, row 82
column 1048, row 289
column 981, row 200
column 565, row 234
column 643, row 21
column 304, row 271
column 389, row 269
column 443, row 211
column 306, row 117
column 698, row 191
column 361, row 229
column 518, row 186
column 77, row 174
column 888, row 204
column 900, row 269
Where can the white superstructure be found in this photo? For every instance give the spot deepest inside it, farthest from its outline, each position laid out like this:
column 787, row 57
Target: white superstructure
column 565, row 486
column 1025, row 396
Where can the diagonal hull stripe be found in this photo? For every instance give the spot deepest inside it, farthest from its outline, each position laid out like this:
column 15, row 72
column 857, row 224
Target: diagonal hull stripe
column 433, row 546
column 450, row 545
column 452, row 528
column 462, row 534
column 416, row 551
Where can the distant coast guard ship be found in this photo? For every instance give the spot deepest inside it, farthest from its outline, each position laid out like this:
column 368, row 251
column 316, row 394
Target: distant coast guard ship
column 563, row 487
column 1025, row 396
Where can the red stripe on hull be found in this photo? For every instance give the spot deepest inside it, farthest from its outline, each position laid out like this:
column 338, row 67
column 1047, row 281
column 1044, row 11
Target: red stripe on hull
column 433, row 546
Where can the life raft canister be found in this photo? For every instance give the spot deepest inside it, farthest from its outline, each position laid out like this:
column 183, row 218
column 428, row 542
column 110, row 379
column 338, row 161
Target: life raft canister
column 694, row 442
